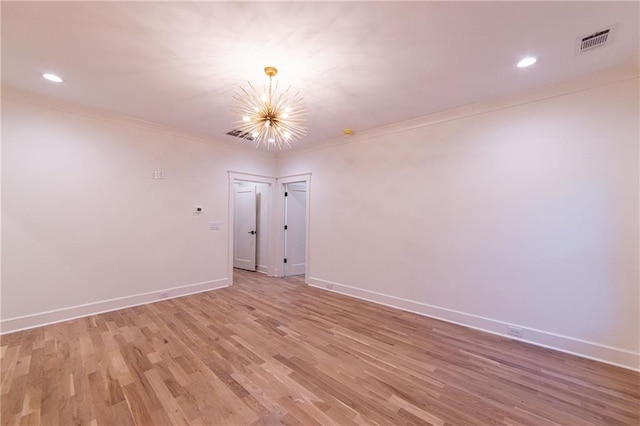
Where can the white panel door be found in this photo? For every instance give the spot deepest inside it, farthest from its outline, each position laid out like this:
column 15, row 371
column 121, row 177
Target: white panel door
column 244, row 233
column 295, row 231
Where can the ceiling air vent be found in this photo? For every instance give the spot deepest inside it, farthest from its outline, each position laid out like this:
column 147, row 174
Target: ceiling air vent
column 240, row 134
column 597, row 39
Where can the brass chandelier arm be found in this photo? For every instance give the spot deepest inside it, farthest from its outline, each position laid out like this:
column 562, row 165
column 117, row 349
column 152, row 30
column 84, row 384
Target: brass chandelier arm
column 274, row 119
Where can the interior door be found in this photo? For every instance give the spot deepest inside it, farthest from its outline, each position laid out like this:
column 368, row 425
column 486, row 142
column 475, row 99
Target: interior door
column 244, row 235
column 295, row 229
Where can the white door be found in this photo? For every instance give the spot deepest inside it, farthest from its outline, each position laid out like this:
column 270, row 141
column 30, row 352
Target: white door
column 295, row 228
column 244, row 233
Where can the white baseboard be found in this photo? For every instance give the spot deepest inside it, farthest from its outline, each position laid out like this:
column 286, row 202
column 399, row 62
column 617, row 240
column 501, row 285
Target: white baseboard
column 261, row 268
column 607, row 354
column 40, row 319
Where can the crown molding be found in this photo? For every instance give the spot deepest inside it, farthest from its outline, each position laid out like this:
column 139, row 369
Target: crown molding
column 610, row 77
column 27, row 97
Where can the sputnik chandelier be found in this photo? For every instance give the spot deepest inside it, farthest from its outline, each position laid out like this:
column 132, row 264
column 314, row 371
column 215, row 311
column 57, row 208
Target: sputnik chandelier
column 272, row 118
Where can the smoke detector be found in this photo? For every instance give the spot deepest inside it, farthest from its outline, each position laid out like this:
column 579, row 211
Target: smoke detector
column 596, row 39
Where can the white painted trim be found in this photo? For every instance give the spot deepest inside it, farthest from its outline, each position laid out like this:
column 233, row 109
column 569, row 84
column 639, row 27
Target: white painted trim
column 272, row 268
column 1, row 221
column 262, row 269
column 26, row 97
column 582, row 348
column 282, row 181
column 40, row 319
column 537, row 95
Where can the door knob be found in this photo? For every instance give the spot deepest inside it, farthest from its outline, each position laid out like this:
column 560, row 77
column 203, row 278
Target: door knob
column 252, row 232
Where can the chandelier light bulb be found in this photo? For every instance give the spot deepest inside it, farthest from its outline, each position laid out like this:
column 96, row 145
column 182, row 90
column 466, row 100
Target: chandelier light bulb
column 52, row 77
column 526, row 62
column 273, row 117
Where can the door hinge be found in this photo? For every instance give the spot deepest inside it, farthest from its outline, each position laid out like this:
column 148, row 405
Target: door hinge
column 285, row 261
column 285, row 227
column 286, row 194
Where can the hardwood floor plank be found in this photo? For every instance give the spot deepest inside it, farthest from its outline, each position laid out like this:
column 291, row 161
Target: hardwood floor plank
column 272, row 351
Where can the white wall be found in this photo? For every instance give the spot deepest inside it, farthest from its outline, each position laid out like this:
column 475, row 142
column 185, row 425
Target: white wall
column 84, row 222
column 525, row 215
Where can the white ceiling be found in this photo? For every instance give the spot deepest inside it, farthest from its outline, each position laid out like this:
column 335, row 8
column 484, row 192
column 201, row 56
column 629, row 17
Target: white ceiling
column 359, row 65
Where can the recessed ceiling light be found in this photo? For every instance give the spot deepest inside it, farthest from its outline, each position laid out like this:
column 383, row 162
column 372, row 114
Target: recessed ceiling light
column 526, row 62
column 52, row 77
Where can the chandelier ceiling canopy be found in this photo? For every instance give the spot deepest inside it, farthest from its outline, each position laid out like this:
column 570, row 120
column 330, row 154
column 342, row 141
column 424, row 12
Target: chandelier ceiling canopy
column 271, row 117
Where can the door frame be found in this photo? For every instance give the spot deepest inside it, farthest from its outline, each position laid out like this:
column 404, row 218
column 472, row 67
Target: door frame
column 247, row 177
column 282, row 182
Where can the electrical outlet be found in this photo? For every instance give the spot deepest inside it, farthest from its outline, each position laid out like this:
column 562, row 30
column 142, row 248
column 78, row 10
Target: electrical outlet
column 164, row 294
column 514, row 331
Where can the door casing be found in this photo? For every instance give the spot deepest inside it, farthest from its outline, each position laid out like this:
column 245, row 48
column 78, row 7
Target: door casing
column 275, row 220
column 266, row 233
column 282, row 182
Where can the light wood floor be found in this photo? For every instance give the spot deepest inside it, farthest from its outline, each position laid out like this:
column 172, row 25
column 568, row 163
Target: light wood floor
column 273, row 351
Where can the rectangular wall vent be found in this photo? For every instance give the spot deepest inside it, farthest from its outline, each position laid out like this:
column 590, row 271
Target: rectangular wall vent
column 594, row 40
column 240, row 134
